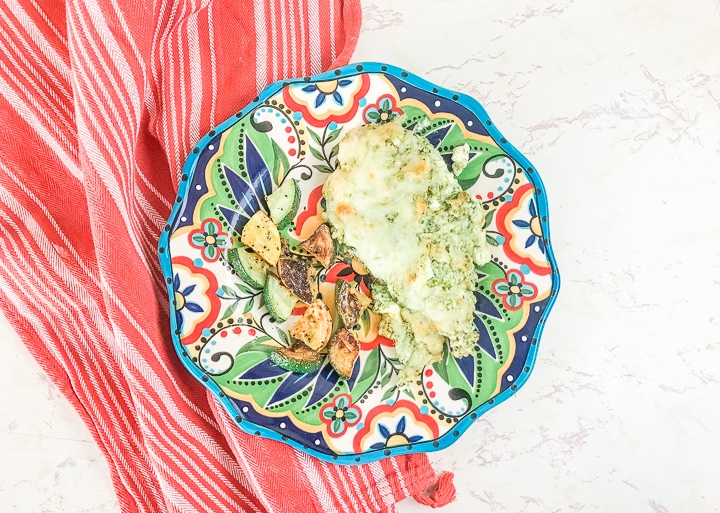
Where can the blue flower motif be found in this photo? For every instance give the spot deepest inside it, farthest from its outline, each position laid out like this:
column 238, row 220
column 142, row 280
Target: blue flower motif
column 181, row 302
column 534, row 226
column 398, row 437
column 327, row 89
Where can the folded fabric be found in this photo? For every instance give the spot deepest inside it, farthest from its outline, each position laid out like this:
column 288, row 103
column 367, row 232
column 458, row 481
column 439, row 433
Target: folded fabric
column 100, row 102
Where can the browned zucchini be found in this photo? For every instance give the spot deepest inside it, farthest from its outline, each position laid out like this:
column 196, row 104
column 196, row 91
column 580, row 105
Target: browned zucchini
column 314, row 327
column 298, row 276
column 320, row 244
column 297, row 358
column 344, row 350
column 350, row 303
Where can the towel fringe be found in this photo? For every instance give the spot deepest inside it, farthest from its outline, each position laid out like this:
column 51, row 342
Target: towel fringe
column 443, row 494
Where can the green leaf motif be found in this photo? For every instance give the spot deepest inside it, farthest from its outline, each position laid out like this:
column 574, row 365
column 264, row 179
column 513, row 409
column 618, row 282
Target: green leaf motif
column 283, row 336
column 334, row 152
column 526, row 290
column 455, row 136
column 385, row 379
column 513, row 300
column 333, row 135
column 280, row 163
column 315, row 137
column 491, row 240
column 317, row 154
column 466, row 184
column 336, row 426
column 488, row 219
column 243, row 288
column 257, row 344
column 395, row 362
column 388, row 393
column 370, row 368
column 366, row 320
column 227, row 292
column 441, row 366
column 323, row 168
column 231, row 309
column 351, row 415
column 502, row 288
column 414, row 116
column 249, row 305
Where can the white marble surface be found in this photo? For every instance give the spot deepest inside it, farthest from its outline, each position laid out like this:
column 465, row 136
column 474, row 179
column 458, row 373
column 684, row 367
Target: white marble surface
column 617, row 104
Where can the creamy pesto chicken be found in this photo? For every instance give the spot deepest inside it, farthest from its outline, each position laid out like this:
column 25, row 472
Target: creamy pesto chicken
column 394, row 202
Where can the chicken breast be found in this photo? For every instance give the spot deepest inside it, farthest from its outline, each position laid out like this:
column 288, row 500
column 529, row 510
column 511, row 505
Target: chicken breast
column 393, row 200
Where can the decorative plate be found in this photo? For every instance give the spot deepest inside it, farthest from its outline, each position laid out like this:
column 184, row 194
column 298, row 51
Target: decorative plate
column 223, row 333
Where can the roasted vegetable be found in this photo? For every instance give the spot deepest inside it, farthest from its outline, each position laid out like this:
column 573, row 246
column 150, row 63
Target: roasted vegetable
column 298, row 276
column 249, row 266
column 297, row 358
column 284, row 202
column 263, row 237
column 320, row 244
column 314, row 327
column 344, row 350
column 279, row 300
column 350, row 303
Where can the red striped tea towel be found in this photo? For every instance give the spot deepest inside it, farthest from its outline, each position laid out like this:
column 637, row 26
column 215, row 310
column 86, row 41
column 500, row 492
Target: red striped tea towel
column 100, row 102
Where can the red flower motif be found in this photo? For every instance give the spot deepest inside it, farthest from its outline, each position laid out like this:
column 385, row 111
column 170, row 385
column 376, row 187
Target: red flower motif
column 204, row 287
column 513, row 290
column 513, row 227
column 339, row 415
column 407, row 425
column 210, row 240
column 382, row 111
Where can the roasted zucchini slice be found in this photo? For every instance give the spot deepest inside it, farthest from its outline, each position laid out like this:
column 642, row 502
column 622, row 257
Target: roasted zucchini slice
column 284, row 202
column 263, row 237
column 344, row 350
column 279, row 300
column 249, row 266
column 299, row 276
column 297, row 358
column 314, row 327
column 320, row 244
column 350, row 303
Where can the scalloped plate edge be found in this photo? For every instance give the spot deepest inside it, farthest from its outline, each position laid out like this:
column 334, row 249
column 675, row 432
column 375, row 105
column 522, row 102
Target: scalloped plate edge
column 468, row 102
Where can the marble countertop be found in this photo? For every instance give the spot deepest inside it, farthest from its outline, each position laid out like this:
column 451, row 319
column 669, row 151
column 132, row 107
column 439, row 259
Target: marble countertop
column 617, row 104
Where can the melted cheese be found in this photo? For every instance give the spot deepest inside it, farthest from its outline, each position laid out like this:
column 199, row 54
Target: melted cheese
column 394, row 202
